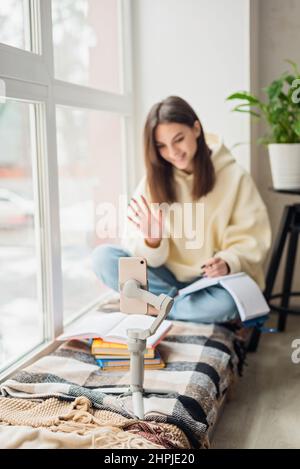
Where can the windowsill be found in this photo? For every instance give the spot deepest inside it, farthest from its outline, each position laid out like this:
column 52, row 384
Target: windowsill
column 47, row 347
column 29, row 358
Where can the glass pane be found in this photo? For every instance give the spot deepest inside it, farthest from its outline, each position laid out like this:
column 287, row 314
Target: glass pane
column 86, row 42
column 15, row 24
column 90, row 181
column 21, row 318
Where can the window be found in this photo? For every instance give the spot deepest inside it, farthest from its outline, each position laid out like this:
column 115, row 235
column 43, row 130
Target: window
column 94, row 60
column 89, row 162
column 15, row 23
column 21, row 313
column 63, row 148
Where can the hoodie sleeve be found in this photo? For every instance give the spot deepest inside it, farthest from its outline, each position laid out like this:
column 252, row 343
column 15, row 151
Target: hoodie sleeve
column 247, row 238
column 133, row 240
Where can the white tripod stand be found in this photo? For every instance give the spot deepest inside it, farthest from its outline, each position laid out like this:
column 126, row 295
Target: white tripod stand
column 137, row 343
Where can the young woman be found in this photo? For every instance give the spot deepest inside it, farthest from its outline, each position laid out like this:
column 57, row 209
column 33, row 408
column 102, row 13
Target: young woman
column 197, row 178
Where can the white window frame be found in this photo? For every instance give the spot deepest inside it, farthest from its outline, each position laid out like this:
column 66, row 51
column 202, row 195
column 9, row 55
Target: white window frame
column 30, row 77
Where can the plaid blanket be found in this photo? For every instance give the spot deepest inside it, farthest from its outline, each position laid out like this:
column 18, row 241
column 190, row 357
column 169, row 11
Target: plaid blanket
column 201, row 361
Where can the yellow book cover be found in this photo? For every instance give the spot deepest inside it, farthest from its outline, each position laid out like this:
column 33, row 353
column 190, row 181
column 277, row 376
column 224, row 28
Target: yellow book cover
column 126, row 368
column 102, row 343
column 99, row 347
column 106, row 354
column 124, row 362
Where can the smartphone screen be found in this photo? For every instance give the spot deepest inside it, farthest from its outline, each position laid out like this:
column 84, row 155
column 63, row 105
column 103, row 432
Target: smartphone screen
column 133, row 268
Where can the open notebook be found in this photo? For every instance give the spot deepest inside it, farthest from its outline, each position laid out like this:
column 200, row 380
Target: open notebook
column 112, row 327
column 244, row 290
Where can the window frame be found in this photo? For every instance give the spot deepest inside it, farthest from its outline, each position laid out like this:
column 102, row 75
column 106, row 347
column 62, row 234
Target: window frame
column 29, row 76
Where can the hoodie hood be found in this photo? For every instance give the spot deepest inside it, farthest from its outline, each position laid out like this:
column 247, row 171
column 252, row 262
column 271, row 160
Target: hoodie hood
column 221, row 156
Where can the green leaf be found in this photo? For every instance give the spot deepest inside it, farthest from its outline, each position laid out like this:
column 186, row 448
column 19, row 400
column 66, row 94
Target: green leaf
column 247, row 111
column 243, row 105
column 243, row 95
column 279, row 110
column 290, row 79
column 296, row 128
column 294, row 66
column 284, row 97
column 274, row 89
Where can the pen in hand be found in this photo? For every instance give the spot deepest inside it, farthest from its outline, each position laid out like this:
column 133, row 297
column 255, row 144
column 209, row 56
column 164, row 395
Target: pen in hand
column 215, row 267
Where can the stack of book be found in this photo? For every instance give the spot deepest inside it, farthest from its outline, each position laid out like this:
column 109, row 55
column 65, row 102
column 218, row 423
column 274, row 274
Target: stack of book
column 112, row 356
column 108, row 337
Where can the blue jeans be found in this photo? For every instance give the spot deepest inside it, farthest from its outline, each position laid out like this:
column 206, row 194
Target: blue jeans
column 210, row 305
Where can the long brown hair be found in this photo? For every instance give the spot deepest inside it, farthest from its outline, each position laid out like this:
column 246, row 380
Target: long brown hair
column 159, row 171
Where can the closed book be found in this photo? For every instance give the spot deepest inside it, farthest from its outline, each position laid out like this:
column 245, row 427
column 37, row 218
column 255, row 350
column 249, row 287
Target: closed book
column 124, row 365
column 100, row 347
column 107, row 356
column 127, row 368
column 107, row 363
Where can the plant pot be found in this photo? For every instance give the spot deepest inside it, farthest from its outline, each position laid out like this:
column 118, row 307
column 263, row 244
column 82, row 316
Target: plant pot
column 285, row 165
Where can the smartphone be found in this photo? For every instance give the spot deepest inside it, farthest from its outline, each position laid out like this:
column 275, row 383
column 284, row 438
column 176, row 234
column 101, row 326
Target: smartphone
column 136, row 268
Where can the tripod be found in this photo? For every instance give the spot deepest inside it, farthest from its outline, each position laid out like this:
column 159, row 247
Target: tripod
column 137, row 339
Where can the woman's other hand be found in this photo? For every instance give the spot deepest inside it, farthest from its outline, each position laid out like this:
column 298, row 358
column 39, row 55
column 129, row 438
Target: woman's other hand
column 215, row 267
column 146, row 221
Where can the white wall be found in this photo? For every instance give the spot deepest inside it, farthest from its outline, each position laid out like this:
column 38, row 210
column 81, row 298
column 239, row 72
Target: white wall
column 199, row 50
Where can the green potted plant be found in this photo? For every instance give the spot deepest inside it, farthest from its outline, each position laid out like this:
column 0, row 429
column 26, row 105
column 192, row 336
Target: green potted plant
column 281, row 112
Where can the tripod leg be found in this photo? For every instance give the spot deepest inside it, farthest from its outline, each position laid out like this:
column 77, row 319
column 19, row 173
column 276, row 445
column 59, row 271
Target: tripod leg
column 138, row 404
column 288, row 278
column 278, row 249
column 137, row 348
column 254, row 340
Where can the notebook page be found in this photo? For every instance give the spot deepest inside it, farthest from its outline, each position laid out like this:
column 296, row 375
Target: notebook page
column 247, row 296
column 198, row 285
column 204, row 283
column 94, row 324
column 137, row 321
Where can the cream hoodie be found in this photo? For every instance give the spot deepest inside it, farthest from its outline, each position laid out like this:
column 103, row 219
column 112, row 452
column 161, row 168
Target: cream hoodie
column 232, row 223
